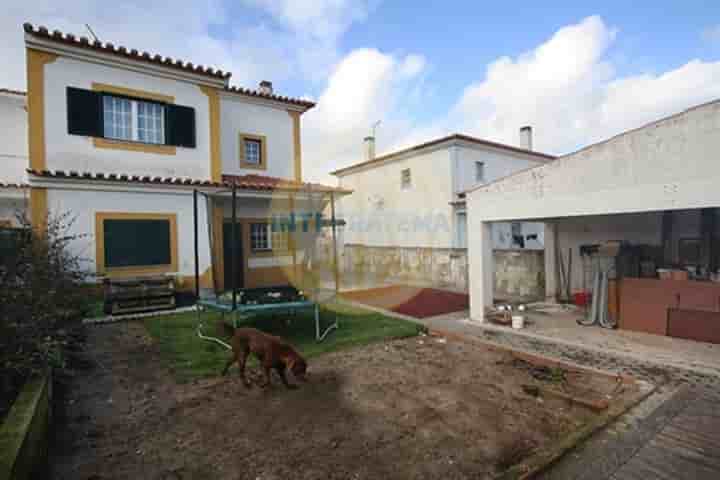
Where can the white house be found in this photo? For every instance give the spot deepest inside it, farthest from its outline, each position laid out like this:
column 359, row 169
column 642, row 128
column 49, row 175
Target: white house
column 655, row 189
column 120, row 138
column 407, row 217
column 13, row 155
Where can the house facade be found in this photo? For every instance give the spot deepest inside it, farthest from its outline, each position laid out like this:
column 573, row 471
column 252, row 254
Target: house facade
column 407, row 217
column 119, row 139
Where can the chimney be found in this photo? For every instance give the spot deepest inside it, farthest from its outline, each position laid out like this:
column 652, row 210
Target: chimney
column 526, row 137
column 266, row 88
column 369, row 147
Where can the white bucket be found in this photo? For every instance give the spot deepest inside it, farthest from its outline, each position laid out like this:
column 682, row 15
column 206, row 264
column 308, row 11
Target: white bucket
column 518, row 321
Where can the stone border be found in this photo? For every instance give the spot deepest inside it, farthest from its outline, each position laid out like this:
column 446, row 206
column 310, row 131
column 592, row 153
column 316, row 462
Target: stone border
column 135, row 316
column 24, row 433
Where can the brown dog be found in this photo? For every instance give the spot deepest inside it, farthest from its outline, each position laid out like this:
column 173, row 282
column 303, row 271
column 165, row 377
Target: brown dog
column 272, row 352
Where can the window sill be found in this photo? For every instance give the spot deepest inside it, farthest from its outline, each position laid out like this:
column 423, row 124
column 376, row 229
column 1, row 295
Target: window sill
column 125, row 272
column 110, row 144
column 253, row 166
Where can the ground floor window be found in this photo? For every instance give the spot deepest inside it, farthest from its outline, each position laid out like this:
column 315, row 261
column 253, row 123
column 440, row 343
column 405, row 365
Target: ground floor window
column 128, row 241
column 263, row 238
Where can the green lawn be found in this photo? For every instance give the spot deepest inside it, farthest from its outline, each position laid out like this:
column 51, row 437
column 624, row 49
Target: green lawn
column 190, row 357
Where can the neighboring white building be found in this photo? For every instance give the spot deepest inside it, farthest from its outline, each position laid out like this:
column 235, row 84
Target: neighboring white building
column 120, row 139
column 654, row 187
column 409, row 207
column 13, row 155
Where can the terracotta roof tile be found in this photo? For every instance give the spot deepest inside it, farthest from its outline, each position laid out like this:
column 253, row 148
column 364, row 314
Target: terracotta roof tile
column 244, row 182
column 12, row 92
column 84, row 42
column 13, row 185
column 270, row 96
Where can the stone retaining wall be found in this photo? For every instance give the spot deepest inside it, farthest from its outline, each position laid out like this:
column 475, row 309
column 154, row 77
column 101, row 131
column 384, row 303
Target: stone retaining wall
column 24, row 432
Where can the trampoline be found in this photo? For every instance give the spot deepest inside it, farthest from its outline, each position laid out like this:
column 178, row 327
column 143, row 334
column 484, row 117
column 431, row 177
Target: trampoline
column 239, row 304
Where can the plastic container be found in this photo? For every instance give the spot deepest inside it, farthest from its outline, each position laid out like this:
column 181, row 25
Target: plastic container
column 581, row 299
column 518, row 321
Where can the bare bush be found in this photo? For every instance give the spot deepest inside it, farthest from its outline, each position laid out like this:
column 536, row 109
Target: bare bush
column 41, row 297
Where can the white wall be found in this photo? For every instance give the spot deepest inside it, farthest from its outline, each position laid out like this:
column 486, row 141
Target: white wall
column 380, row 213
column 497, row 164
column 74, row 152
column 82, row 204
column 503, row 240
column 238, row 115
column 671, row 164
column 13, row 138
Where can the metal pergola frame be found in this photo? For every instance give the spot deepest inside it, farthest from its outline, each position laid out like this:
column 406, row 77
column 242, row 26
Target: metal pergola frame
column 235, row 309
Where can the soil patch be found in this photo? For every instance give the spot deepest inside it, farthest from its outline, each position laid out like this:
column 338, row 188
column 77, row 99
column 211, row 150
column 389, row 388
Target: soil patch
column 423, row 407
column 413, row 301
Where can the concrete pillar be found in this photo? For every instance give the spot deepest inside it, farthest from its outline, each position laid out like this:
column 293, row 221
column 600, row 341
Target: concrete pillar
column 481, row 268
column 551, row 271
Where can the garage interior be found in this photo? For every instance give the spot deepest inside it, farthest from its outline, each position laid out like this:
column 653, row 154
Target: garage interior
column 662, row 269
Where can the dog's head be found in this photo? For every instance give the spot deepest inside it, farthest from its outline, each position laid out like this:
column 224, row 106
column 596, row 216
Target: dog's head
column 298, row 367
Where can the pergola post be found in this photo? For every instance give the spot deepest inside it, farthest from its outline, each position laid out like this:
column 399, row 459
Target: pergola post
column 481, row 268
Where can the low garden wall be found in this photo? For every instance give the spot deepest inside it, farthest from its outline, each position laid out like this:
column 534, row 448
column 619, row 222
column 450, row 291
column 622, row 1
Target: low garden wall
column 24, row 432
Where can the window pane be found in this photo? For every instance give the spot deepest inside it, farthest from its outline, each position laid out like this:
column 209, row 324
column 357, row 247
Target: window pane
column 259, row 238
column 116, row 115
column 150, row 122
column 130, row 243
column 252, row 152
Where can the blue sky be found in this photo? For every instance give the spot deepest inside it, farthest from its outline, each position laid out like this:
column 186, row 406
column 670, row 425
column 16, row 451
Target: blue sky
column 577, row 71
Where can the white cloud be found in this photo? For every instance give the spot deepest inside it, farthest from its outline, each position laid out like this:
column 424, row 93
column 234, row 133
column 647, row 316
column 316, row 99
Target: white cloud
column 318, row 18
column 366, row 86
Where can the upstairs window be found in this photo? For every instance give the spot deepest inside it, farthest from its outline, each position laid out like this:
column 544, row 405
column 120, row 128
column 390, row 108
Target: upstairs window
column 405, row 179
column 480, row 172
column 253, row 151
column 105, row 113
column 133, row 120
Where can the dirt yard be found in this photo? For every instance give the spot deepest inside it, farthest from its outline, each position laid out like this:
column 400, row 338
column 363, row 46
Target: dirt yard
column 415, row 408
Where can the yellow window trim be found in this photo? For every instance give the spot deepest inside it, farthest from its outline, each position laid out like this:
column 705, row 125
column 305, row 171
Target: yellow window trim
column 263, row 151
column 129, row 92
column 214, row 111
column 111, row 144
column 119, row 272
column 35, row 63
column 297, row 157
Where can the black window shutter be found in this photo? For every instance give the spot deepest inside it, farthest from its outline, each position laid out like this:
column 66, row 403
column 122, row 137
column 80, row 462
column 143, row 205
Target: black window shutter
column 84, row 112
column 180, row 126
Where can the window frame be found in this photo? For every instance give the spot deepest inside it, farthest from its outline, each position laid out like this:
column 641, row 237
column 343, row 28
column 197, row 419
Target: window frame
column 403, row 184
column 103, row 270
column 104, row 142
column 262, row 139
column 135, row 120
column 480, row 167
column 273, row 238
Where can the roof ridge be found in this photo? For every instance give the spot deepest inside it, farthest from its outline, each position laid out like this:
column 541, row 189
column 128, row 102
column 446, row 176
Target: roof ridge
column 437, row 141
column 270, row 96
column 107, row 47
